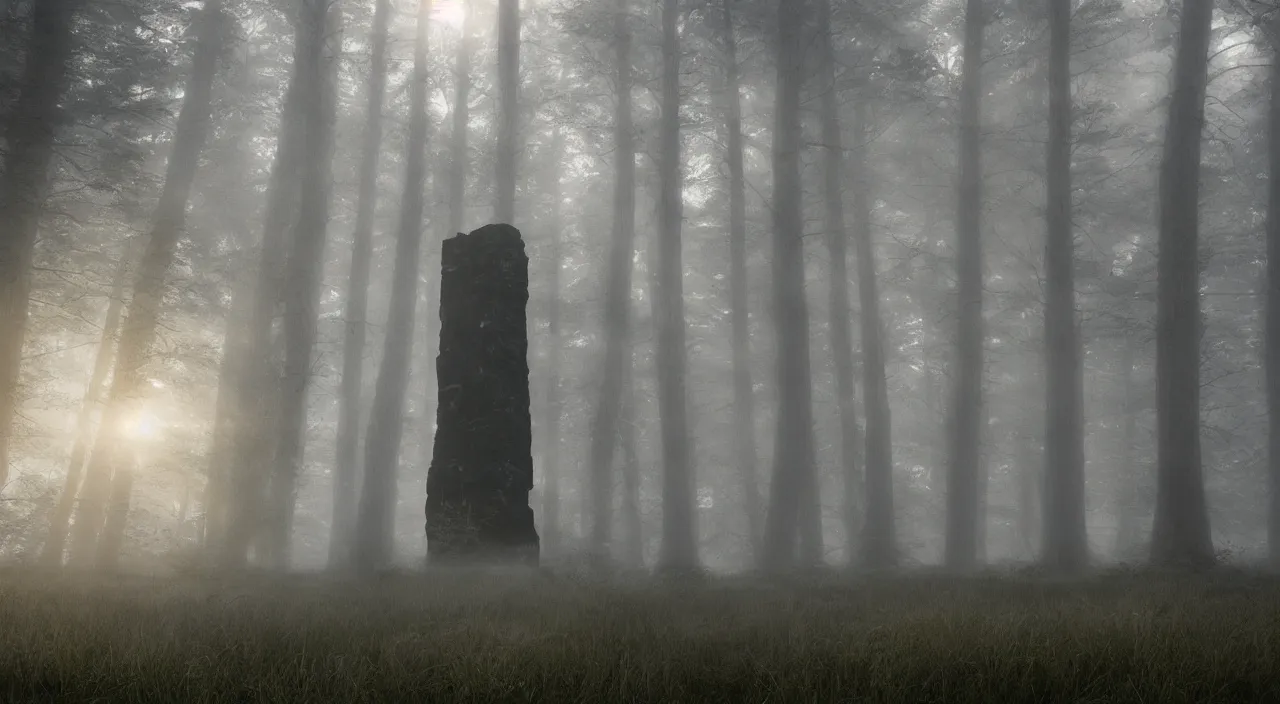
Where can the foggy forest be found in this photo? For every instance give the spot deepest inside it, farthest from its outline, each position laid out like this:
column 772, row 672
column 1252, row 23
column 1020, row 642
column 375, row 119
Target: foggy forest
column 830, row 304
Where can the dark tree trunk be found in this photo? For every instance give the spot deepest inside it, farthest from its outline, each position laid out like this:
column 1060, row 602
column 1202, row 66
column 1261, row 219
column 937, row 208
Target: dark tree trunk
column 794, row 464
column 24, row 180
column 1180, row 535
column 879, row 538
column 504, row 184
column 375, row 521
column 1271, row 354
column 347, row 468
column 963, row 499
column 617, row 298
column 679, row 520
column 139, row 327
column 303, row 268
column 839, row 323
column 60, row 519
column 555, row 350
column 482, row 468
column 459, row 159
column 744, row 425
column 1065, row 543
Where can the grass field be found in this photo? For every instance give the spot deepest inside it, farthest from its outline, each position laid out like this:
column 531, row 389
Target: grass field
column 541, row 638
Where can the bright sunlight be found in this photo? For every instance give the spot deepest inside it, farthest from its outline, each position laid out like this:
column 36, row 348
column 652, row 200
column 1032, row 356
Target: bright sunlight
column 451, row 12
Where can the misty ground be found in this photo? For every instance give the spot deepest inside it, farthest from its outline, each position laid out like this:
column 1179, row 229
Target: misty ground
column 497, row 637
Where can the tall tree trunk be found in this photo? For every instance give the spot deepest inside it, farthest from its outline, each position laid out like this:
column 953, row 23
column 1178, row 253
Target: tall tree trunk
column 24, row 180
column 227, row 415
column 374, row 523
column 60, row 519
column 617, row 296
column 1272, row 361
column 837, row 248
column 679, row 520
column 459, row 159
column 963, row 499
column 253, row 434
column 1065, row 543
column 139, row 328
column 303, row 268
column 1127, row 496
column 356, row 325
column 504, row 184
column 743, row 393
column 879, row 538
column 117, row 514
column 632, row 525
column 794, row 464
column 551, row 409
column 1180, row 535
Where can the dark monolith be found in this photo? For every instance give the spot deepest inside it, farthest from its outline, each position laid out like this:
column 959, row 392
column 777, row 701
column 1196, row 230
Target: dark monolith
column 482, row 465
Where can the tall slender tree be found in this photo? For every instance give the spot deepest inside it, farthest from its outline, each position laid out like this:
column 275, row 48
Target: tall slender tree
column 679, row 527
column 743, row 395
column 357, row 307
column 1180, row 534
column 837, row 236
column 794, row 463
column 1066, row 545
column 879, row 541
column 29, row 132
column 374, row 533
column 507, row 162
column 253, row 434
column 60, row 519
column 459, row 159
column 617, row 295
column 1272, row 362
column 965, row 436
column 138, row 331
column 314, row 63
column 551, row 409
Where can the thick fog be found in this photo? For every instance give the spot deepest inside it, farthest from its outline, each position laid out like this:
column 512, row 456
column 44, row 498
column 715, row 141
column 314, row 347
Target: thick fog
column 879, row 284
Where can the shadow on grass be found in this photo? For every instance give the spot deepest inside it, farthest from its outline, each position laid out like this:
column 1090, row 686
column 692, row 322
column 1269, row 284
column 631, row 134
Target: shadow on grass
column 521, row 637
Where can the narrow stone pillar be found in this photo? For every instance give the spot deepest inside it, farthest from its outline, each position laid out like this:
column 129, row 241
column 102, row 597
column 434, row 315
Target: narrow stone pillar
column 481, row 470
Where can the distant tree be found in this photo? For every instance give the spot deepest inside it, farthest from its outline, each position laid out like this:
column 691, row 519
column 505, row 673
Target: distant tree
column 794, row 465
column 314, row 63
column 110, row 461
column 347, row 467
column 374, row 532
column 29, row 131
column 963, row 504
column 617, row 296
column 840, row 321
column 1066, row 545
column 507, row 162
column 1272, row 305
column 743, row 393
column 679, row 519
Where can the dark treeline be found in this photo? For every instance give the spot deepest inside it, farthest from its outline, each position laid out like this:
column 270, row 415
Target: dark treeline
column 813, row 282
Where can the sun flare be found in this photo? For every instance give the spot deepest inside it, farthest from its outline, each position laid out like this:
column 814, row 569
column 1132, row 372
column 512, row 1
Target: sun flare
column 452, row 13
column 141, row 426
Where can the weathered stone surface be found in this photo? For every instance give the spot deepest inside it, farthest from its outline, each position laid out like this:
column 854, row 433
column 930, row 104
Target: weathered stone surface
column 481, row 465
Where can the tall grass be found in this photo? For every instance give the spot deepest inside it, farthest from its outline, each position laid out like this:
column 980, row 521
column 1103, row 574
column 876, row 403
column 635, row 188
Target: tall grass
column 497, row 637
